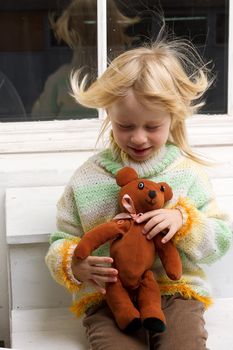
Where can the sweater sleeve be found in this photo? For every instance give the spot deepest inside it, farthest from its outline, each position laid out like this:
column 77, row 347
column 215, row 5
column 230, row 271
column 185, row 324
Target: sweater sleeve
column 206, row 234
column 64, row 241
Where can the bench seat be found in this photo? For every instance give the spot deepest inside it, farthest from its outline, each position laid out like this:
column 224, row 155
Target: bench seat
column 40, row 318
column 58, row 329
column 50, row 329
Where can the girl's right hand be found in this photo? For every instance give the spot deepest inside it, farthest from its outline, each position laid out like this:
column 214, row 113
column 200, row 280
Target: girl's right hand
column 93, row 269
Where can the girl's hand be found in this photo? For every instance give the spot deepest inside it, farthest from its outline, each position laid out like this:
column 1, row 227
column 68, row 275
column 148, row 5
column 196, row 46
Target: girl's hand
column 94, row 270
column 160, row 220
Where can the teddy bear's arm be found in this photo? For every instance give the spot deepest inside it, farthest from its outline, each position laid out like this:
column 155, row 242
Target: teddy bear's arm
column 98, row 236
column 169, row 257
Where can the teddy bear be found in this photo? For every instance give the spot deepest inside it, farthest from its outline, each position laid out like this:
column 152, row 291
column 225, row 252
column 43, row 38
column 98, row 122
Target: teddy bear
column 135, row 298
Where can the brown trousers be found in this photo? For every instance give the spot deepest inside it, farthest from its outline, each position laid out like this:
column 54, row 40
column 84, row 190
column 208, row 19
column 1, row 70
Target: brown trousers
column 185, row 329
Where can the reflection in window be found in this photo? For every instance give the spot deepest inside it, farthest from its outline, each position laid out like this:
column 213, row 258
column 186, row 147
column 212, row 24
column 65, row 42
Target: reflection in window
column 45, row 41
column 204, row 22
column 118, row 39
column 72, row 42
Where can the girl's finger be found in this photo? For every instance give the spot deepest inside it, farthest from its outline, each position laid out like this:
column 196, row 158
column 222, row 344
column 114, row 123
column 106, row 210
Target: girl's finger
column 152, row 223
column 157, row 229
column 147, row 216
column 98, row 287
column 98, row 260
column 103, row 279
column 169, row 235
column 98, row 270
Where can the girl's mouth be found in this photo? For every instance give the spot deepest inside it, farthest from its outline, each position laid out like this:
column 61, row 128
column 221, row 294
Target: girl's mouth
column 140, row 151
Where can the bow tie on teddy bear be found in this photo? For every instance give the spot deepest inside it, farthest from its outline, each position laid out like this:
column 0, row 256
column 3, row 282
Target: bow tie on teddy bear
column 135, row 298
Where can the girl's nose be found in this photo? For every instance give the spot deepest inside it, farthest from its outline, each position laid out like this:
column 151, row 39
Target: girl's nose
column 138, row 137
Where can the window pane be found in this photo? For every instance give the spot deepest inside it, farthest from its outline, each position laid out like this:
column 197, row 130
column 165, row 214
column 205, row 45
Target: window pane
column 204, row 22
column 43, row 42
column 118, row 23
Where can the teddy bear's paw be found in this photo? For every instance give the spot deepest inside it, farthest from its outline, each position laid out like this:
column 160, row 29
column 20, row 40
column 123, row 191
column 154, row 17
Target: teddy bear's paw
column 154, row 325
column 133, row 326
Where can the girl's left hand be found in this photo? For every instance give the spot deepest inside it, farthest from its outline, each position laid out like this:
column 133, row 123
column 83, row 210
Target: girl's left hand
column 160, row 220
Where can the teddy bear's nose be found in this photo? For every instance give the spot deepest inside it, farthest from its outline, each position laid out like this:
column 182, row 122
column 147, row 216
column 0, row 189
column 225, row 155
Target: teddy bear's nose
column 152, row 194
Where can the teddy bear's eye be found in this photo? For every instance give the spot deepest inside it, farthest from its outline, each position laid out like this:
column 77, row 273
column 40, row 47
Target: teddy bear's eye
column 141, row 185
column 162, row 188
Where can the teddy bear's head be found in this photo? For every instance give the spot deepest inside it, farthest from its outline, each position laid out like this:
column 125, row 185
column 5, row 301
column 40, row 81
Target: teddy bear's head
column 146, row 194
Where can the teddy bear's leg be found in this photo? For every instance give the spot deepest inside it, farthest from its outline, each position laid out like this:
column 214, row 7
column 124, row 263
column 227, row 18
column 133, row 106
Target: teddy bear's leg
column 126, row 315
column 149, row 303
column 169, row 257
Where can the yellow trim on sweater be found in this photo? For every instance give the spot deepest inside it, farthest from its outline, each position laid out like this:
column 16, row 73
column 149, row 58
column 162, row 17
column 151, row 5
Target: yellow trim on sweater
column 63, row 272
column 191, row 219
column 95, row 298
column 186, row 292
column 79, row 307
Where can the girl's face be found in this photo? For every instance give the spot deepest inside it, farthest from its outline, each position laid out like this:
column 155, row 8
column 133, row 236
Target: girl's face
column 138, row 131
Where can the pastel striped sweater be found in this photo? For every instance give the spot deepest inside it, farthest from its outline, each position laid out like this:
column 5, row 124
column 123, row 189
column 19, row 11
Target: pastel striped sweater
column 90, row 198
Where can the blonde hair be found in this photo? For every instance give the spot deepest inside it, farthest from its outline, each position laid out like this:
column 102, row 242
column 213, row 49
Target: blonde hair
column 168, row 73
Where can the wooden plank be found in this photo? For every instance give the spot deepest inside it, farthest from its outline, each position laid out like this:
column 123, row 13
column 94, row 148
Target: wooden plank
column 32, row 286
column 31, row 213
column 223, row 186
column 219, row 321
column 53, row 329
column 58, row 329
column 49, row 340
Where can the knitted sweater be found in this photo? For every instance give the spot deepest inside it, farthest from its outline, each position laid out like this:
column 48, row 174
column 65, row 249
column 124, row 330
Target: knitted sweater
column 90, row 198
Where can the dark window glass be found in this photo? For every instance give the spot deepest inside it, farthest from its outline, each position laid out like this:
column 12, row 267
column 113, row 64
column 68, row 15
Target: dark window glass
column 41, row 42
column 204, row 22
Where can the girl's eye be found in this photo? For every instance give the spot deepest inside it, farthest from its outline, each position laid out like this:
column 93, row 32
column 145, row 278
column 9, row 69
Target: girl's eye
column 152, row 127
column 141, row 185
column 124, row 126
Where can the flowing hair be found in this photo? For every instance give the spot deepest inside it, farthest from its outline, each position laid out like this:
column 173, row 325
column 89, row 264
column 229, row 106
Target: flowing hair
column 169, row 73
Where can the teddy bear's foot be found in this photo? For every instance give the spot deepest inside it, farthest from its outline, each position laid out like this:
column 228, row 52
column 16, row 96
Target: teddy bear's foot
column 133, row 326
column 154, row 325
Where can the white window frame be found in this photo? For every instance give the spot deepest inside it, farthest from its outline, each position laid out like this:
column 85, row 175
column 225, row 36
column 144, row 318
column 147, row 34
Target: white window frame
column 75, row 135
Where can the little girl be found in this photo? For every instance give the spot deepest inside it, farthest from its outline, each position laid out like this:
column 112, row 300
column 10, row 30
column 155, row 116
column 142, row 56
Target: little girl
column 147, row 94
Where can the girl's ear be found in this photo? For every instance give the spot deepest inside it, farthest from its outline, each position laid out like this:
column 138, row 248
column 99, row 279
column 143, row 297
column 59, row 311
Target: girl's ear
column 164, row 187
column 125, row 176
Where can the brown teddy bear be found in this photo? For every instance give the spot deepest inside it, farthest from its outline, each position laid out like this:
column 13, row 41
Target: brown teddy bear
column 135, row 298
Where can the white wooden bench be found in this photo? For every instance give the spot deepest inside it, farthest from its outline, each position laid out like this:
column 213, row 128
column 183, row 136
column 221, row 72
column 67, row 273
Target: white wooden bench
column 40, row 318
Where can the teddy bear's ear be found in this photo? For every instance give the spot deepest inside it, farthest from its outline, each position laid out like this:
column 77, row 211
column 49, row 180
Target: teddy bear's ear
column 164, row 187
column 125, row 176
